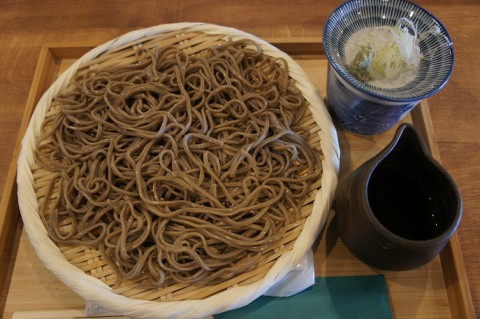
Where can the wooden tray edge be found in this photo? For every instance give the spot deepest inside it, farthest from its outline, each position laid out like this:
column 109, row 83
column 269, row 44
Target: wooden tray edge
column 9, row 221
column 456, row 283
column 455, row 278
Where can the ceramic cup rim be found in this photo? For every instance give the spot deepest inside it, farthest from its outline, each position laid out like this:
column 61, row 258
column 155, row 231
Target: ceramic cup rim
column 348, row 78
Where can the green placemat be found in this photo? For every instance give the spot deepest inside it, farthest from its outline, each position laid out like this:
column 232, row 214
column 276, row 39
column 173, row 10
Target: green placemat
column 329, row 298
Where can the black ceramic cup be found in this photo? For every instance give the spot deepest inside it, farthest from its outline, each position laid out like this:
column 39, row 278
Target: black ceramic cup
column 399, row 209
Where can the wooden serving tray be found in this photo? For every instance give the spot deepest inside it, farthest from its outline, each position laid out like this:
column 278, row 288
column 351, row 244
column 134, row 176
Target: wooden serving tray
column 437, row 290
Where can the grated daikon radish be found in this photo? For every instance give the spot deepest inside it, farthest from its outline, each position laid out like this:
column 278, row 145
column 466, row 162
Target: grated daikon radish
column 385, row 56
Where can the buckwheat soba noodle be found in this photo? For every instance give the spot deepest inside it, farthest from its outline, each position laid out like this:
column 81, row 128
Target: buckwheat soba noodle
column 178, row 168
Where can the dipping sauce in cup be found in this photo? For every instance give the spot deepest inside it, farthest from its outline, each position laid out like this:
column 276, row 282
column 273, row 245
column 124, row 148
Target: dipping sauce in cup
column 399, row 209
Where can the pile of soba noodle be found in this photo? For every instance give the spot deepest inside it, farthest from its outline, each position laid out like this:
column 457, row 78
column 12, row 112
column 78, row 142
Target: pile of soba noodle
column 178, row 168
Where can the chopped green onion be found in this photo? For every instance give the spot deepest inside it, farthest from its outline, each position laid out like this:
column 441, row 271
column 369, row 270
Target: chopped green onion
column 392, row 53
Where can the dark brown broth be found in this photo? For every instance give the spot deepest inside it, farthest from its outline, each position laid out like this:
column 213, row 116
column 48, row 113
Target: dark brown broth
column 406, row 201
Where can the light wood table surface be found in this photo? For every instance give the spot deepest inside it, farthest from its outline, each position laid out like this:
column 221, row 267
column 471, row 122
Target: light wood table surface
column 26, row 25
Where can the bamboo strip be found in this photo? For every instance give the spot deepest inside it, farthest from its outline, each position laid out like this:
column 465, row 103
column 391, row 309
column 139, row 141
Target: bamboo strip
column 88, row 267
column 87, row 256
column 92, row 262
column 106, row 274
column 71, row 250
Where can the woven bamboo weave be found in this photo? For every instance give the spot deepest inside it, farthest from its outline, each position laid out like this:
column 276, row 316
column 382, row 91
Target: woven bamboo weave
column 90, row 261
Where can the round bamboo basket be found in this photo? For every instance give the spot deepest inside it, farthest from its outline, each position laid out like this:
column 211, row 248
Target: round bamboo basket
column 87, row 272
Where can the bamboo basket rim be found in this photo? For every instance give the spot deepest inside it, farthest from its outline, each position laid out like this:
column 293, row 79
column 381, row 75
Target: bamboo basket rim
column 95, row 290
